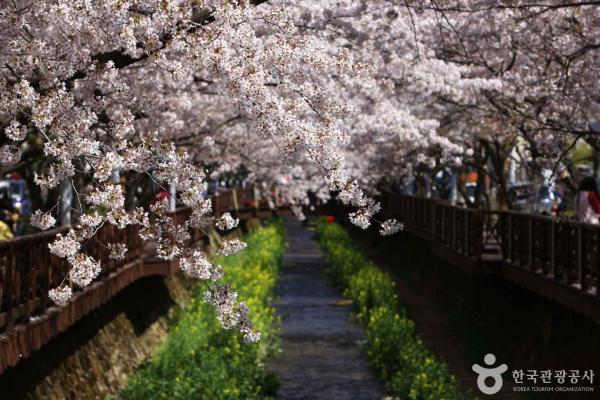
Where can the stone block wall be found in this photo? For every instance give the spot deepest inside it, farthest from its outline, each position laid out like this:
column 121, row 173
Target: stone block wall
column 94, row 357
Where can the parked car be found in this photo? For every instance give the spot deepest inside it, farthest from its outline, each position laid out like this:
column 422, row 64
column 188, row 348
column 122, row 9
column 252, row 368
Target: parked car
column 18, row 192
column 548, row 200
column 523, row 197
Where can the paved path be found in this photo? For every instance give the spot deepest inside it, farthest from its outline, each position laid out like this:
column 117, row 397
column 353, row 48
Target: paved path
column 322, row 357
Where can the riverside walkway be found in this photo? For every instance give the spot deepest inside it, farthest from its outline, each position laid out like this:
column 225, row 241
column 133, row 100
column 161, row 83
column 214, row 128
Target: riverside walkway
column 28, row 320
column 322, row 356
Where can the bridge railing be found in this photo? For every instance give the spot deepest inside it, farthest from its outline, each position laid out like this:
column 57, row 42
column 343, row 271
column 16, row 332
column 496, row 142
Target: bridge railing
column 28, row 269
column 564, row 251
column 27, row 272
column 459, row 229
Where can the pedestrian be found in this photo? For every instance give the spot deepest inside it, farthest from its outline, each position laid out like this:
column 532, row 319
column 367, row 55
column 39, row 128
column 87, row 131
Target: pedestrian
column 6, row 218
column 565, row 188
column 587, row 201
column 162, row 195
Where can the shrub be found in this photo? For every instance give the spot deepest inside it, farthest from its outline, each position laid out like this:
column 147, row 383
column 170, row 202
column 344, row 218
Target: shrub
column 370, row 288
column 343, row 260
column 200, row 360
column 395, row 351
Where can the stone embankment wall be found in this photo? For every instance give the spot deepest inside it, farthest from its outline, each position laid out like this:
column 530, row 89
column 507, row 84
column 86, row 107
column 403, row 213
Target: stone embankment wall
column 94, row 357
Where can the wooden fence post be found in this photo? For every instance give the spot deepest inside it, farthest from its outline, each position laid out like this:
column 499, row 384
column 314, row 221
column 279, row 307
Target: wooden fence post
column 530, row 239
column 235, row 200
column 454, row 228
column 433, row 221
column 466, row 246
column 443, row 237
column 216, row 202
column 580, row 273
column 510, row 238
column 553, row 250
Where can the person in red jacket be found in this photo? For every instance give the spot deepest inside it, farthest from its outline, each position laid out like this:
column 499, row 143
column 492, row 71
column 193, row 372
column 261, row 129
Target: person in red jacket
column 587, row 202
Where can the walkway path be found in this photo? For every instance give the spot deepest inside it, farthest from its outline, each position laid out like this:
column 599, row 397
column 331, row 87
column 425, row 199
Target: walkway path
column 322, row 357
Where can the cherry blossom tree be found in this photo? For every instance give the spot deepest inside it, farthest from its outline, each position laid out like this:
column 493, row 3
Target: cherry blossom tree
column 165, row 89
column 322, row 96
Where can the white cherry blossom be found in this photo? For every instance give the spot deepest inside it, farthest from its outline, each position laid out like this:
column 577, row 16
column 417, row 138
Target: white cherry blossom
column 42, row 220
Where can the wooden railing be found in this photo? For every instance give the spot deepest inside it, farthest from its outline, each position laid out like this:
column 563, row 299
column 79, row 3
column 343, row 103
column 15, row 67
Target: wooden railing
column 28, row 270
column 459, row 229
column 563, row 252
column 242, row 202
column 28, row 319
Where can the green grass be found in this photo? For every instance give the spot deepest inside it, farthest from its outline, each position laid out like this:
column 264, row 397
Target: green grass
column 395, row 351
column 201, row 360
